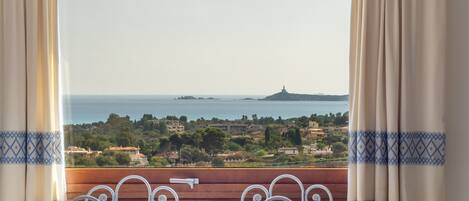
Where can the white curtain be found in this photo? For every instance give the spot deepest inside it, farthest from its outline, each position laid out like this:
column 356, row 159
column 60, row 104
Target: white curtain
column 397, row 135
column 31, row 149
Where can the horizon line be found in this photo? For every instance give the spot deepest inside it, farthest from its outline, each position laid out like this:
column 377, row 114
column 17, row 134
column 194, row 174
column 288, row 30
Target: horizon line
column 326, row 94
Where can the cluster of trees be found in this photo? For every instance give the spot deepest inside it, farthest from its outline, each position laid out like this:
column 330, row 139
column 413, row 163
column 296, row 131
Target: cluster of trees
column 198, row 143
column 212, row 140
column 273, row 139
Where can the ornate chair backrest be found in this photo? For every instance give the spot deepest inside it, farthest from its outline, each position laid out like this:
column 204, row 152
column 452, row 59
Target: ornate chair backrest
column 269, row 196
column 115, row 193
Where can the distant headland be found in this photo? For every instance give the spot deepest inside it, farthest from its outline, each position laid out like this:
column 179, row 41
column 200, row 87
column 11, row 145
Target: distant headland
column 284, row 95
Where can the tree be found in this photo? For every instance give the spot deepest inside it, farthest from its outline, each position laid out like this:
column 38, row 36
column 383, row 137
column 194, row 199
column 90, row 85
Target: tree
column 112, row 118
column 191, row 154
column 148, row 125
column 243, row 140
column 320, row 145
column 125, row 138
column 157, row 161
column 252, row 147
column 244, row 118
column 176, row 141
column 197, row 138
column 122, row 158
column 165, row 145
column 332, row 138
column 261, row 153
column 297, row 137
column 275, row 140
column 341, row 119
column 186, row 139
column 162, row 127
column 114, row 121
column 95, row 142
column 267, row 133
column 302, row 122
column 146, row 117
column 149, row 147
column 279, row 120
column 338, row 148
column 104, row 160
column 213, row 140
column 232, row 146
column 218, row 162
column 254, row 118
column 266, row 120
column 171, row 117
column 80, row 160
column 183, row 119
column 294, row 136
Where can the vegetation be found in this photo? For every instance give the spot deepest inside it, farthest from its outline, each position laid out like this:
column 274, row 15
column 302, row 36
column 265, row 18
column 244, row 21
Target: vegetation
column 256, row 141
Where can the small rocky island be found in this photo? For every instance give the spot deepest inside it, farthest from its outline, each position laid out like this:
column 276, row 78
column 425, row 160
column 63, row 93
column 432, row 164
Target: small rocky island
column 285, row 96
column 194, row 98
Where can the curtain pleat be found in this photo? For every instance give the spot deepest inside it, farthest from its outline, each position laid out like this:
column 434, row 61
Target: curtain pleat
column 31, row 149
column 397, row 135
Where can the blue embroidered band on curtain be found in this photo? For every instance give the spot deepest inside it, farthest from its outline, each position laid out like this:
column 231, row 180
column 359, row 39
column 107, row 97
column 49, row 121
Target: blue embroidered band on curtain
column 383, row 148
column 30, row 148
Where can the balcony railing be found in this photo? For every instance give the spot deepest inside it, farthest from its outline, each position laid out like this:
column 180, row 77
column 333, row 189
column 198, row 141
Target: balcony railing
column 266, row 195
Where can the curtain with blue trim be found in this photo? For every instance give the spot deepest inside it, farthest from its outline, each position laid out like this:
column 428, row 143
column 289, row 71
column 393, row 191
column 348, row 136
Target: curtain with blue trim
column 31, row 150
column 397, row 135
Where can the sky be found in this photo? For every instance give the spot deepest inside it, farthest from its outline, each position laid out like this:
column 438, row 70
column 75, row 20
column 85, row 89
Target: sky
column 204, row 47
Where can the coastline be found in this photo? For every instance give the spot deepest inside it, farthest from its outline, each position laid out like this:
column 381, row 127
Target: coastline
column 86, row 109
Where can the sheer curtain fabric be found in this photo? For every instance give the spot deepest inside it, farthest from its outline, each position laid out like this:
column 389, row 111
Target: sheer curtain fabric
column 397, row 134
column 31, row 149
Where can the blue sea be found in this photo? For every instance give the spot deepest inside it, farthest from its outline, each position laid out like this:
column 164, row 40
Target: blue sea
column 93, row 108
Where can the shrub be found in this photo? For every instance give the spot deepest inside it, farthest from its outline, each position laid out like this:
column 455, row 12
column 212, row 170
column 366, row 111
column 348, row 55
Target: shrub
column 122, row 158
column 339, row 148
column 218, row 162
column 157, row 161
column 106, row 161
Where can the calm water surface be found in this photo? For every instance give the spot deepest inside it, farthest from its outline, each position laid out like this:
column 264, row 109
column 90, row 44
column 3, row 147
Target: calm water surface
column 85, row 109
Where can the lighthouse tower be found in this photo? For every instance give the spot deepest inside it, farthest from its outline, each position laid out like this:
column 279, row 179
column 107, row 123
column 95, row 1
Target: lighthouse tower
column 284, row 91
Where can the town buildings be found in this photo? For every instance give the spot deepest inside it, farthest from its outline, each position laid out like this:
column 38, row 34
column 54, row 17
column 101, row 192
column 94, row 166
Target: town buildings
column 288, row 150
column 231, row 128
column 313, row 131
column 312, row 149
column 174, row 126
column 74, row 150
